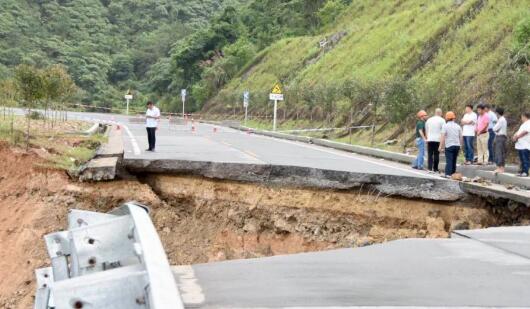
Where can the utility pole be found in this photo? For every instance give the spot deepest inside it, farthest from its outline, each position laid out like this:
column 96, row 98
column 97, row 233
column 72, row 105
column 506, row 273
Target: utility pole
column 183, row 94
column 128, row 98
column 246, row 99
column 275, row 115
column 373, row 122
column 275, row 95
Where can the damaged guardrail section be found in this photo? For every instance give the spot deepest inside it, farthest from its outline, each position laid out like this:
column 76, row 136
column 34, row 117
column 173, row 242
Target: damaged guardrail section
column 113, row 260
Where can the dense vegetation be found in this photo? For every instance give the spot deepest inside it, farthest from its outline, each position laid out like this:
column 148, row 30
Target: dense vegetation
column 382, row 60
column 207, row 60
column 397, row 56
column 107, row 46
column 155, row 47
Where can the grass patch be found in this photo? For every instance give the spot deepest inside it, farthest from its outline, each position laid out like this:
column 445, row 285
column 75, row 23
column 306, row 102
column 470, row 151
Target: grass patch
column 61, row 145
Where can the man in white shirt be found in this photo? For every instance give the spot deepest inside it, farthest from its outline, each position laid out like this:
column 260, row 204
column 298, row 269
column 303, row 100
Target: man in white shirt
column 469, row 124
column 433, row 129
column 152, row 115
column 522, row 143
column 493, row 121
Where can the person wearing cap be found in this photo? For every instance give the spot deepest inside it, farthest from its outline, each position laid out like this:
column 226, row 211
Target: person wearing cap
column 451, row 140
column 433, row 129
column 152, row 115
column 522, row 144
column 469, row 122
column 499, row 144
column 420, row 140
column 482, row 135
column 491, row 138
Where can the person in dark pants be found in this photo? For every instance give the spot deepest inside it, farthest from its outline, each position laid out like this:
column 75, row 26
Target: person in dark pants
column 493, row 121
column 469, row 123
column 451, row 140
column 152, row 115
column 499, row 144
column 433, row 130
column 522, row 144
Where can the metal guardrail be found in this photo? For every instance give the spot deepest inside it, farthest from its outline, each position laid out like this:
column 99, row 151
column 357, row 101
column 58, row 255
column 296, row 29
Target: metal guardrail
column 113, row 260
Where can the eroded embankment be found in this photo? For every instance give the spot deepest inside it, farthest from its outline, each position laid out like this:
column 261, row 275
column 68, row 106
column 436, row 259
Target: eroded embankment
column 228, row 219
column 201, row 219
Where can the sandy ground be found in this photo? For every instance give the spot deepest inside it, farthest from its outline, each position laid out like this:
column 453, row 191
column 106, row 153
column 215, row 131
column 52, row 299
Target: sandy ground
column 201, row 220
column 34, row 202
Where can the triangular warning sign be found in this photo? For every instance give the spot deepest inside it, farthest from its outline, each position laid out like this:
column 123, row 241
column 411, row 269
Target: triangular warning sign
column 277, row 89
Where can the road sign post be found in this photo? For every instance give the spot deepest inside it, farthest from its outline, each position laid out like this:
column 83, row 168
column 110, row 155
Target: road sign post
column 246, row 99
column 183, row 94
column 128, row 98
column 275, row 95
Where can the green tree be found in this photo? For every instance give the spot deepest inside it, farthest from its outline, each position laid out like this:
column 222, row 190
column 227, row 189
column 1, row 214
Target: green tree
column 58, row 87
column 399, row 99
column 30, row 88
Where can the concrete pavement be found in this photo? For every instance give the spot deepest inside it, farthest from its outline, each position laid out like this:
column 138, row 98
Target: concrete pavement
column 458, row 272
column 228, row 145
column 224, row 153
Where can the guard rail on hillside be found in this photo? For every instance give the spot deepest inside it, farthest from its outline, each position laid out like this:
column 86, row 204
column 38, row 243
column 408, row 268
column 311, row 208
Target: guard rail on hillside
column 113, row 260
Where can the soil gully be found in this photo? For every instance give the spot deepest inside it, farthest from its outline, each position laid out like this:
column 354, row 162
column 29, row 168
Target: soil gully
column 210, row 220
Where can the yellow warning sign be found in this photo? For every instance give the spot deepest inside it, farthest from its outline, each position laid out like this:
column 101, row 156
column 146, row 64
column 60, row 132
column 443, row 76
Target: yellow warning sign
column 277, row 89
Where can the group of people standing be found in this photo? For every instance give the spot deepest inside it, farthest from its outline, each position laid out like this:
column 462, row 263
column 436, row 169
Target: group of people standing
column 487, row 126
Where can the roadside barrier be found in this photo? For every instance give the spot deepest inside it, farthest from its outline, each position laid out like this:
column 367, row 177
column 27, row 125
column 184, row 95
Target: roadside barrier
column 324, row 129
column 107, row 260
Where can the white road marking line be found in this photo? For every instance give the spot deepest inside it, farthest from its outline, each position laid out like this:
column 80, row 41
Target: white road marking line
column 136, row 148
column 347, row 155
column 190, row 290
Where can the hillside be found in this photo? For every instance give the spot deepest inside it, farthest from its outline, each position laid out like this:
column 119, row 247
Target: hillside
column 107, row 46
column 400, row 55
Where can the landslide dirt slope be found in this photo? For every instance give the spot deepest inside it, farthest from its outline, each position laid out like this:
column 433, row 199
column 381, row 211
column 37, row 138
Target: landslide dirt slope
column 34, row 201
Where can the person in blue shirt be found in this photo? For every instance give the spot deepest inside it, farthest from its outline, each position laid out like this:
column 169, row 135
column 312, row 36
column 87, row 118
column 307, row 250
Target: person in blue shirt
column 420, row 140
column 491, row 125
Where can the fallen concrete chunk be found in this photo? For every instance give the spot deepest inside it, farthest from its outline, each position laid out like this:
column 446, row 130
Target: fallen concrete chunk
column 99, row 169
column 496, row 192
column 299, row 176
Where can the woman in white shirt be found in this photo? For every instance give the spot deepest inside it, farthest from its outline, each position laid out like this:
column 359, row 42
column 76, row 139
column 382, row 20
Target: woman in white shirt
column 499, row 143
column 522, row 143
